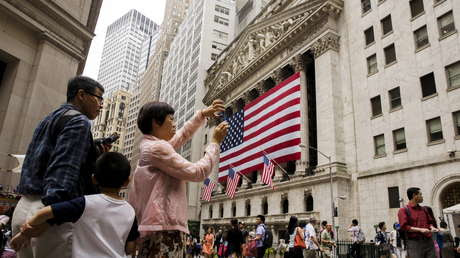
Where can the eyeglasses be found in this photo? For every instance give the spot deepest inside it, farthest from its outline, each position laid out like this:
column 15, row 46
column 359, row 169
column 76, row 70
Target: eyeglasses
column 101, row 99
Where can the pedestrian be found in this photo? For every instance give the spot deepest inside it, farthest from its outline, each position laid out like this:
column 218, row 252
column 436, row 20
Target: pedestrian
column 327, row 243
column 208, row 243
column 158, row 190
column 243, row 230
column 250, row 248
column 105, row 224
column 417, row 225
column 58, row 165
column 260, row 235
column 381, row 240
column 312, row 242
column 447, row 241
column 296, row 239
column 235, row 239
column 189, row 247
column 395, row 241
column 357, row 238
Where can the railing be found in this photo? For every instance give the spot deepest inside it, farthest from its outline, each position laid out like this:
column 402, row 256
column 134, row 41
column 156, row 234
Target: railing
column 347, row 249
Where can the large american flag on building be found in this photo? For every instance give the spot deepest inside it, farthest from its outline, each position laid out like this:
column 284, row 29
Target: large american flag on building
column 270, row 123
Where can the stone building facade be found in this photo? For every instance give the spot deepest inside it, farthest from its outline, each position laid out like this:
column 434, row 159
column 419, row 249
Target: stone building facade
column 42, row 45
column 382, row 104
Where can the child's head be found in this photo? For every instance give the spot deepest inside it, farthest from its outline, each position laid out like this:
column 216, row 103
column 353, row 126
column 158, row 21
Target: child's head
column 112, row 170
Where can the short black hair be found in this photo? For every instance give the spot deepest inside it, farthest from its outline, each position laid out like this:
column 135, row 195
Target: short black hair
column 324, row 223
column 354, row 222
column 234, row 222
column 381, row 224
column 81, row 83
column 153, row 111
column 112, row 170
column 302, row 223
column 412, row 191
column 261, row 217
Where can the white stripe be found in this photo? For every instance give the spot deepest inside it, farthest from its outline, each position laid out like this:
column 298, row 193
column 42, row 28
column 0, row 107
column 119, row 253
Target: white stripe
column 273, row 95
column 278, row 115
column 280, row 139
column 272, row 107
column 273, row 155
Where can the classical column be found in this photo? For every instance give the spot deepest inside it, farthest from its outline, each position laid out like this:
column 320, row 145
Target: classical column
column 329, row 99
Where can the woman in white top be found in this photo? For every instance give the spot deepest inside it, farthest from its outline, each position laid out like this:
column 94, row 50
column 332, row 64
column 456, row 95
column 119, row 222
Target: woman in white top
column 293, row 230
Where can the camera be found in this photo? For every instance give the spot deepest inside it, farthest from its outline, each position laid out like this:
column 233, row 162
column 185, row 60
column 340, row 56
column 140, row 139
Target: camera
column 107, row 140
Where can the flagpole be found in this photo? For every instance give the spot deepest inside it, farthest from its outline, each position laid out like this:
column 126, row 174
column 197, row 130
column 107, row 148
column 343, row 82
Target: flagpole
column 242, row 175
column 276, row 163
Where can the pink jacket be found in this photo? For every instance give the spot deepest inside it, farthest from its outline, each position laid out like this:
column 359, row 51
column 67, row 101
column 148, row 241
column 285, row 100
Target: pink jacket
column 158, row 189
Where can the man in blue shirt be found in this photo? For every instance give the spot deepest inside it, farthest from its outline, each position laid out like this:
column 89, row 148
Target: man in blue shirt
column 58, row 165
column 260, row 235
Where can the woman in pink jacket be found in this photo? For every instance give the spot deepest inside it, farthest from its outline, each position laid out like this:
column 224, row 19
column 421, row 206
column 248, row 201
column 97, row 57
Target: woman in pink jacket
column 158, row 189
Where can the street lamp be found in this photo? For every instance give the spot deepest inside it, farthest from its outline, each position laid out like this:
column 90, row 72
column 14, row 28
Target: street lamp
column 330, row 182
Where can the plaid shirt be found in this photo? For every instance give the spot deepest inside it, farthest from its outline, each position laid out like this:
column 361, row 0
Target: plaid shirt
column 58, row 169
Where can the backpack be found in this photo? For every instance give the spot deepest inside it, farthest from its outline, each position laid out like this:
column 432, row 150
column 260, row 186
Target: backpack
column 268, row 238
column 361, row 238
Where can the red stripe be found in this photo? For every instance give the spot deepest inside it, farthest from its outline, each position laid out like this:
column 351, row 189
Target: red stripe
column 272, row 113
column 256, row 155
column 290, row 129
column 263, row 96
column 282, row 159
column 272, row 102
column 280, row 120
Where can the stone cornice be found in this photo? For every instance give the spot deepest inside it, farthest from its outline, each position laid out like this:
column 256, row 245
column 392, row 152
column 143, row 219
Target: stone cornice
column 262, row 41
column 53, row 24
column 295, row 182
column 325, row 43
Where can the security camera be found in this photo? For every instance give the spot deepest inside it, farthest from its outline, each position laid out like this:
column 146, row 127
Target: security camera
column 451, row 154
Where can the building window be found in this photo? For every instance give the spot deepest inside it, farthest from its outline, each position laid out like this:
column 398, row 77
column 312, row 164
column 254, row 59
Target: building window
column 308, row 202
column 387, row 27
column 393, row 197
column 456, row 116
column 221, row 20
column 365, row 5
column 220, row 34
column 285, row 205
column 248, row 208
column 395, row 98
column 233, row 209
column 264, row 206
column 221, row 210
column 446, row 24
column 453, row 75
column 369, row 36
column 379, row 145
column 416, row 7
column 399, row 139
column 210, row 211
column 390, row 54
column 214, row 56
column 421, row 37
column 221, row 9
column 376, row 106
column 372, row 65
column 434, row 129
column 428, row 85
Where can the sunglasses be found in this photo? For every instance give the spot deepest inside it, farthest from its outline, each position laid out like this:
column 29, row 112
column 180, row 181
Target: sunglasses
column 97, row 96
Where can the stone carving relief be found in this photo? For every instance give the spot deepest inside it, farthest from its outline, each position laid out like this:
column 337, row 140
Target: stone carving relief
column 328, row 41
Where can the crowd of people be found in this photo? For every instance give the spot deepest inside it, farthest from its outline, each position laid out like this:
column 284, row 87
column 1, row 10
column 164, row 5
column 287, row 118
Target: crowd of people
column 71, row 205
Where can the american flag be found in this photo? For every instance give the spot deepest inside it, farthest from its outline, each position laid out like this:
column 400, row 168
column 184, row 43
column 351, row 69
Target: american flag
column 232, row 183
column 270, row 123
column 268, row 170
column 206, row 189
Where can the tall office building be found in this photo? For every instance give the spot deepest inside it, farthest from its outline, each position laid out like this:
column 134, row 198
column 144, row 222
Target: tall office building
column 379, row 108
column 207, row 29
column 121, row 55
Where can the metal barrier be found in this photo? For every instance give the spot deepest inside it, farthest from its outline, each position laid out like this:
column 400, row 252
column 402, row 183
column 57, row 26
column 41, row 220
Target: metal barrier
column 346, row 249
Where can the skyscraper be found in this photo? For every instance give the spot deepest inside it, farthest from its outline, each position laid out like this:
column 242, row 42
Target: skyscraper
column 122, row 51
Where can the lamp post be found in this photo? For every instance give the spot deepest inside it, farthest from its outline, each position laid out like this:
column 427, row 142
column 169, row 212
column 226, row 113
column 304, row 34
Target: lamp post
column 330, row 182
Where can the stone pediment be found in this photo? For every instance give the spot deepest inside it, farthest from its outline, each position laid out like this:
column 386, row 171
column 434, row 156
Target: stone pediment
column 277, row 23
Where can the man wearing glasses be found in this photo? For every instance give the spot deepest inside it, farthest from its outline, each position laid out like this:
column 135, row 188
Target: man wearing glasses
column 58, row 165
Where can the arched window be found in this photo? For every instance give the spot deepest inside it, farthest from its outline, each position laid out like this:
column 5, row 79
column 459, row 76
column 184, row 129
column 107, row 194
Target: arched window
column 264, row 206
column 450, row 195
column 221, row 210
column 233, row 209
column 308, row 202
column 284, row 204
column 248, row 208
column 210, row 211
column 253, row 176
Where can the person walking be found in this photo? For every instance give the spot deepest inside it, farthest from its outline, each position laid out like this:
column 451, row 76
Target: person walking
column 235, row 240
column 296, row 237
column 208, row 243
column 260, row 235
column 417, row 225
column 311, row 240
column 58, row 166
column 357, row 237
column 158, row 189
column 327, row 242
column 395, row 241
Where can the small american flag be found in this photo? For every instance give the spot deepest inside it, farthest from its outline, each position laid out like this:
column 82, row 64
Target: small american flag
column 206, row 189
column 270, row 123
column 268, row 170
column 232, row 182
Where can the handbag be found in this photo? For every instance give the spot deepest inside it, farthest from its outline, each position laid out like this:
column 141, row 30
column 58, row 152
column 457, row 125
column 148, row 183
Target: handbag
column 298, row 241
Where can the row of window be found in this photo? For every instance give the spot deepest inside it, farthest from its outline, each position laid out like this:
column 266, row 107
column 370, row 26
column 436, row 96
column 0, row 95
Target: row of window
column 428, row 88
column 284, row 205
column 416, row 6
column 434, row 134
column 221, row 20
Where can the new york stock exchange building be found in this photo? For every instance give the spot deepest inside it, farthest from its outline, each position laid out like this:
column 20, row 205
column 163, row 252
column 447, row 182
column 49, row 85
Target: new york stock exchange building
column 379, row 110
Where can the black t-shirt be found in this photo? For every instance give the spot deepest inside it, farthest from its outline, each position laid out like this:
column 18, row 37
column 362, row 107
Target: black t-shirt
column 235, row 239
